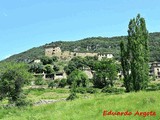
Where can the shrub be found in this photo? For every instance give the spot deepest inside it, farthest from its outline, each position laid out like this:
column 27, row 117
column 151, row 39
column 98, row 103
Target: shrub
column 91, row 90
column 21, row 101
column 81, row 90
column 158, row 86
column 40, row 81
column 72, row 96
column 79, row 77
column 62, row 83
column 153, row 87
column 12, row 79
column 52, row 84
column 112, row 90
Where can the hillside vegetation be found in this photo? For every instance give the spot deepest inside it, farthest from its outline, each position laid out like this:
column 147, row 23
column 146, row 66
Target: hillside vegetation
column 93, row 44
column 91, row 107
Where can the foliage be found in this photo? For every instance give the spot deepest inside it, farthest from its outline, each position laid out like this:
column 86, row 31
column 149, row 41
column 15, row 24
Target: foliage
column 153, row 87
column 49, row 69
column 36, row 68
column 54, row 58
column 128, row 83
column 112, row 90
column 52, row 84
column 39, row 81
column 91, row 90
column 84, row 90
column 135, row 57
column 75, row 63
column 62, row 83
column 105, row 73
column 12, row 79
column 73, row 95
column 79, row 77
column 46, row 60
column 46, row 66
column 56, row 68
column 90, row 61
column 22, row 101
column 81, row 90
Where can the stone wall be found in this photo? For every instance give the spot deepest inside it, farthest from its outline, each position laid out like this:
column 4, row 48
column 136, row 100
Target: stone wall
column 86, row 54
column 56, row 51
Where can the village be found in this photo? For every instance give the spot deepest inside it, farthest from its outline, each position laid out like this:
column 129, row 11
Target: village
column 50, row 51
column 79, row 60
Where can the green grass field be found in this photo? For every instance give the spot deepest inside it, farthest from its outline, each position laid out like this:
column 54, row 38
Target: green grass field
column 86, row 107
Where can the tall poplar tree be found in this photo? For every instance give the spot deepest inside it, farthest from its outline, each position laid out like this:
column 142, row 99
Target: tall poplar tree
column 135, row 56
column 126, row 68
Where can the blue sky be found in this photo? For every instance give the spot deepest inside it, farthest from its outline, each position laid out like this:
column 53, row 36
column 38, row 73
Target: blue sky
column 30, row 23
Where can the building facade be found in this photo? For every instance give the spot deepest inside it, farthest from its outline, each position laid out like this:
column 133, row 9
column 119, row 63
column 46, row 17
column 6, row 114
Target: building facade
column 155, row 69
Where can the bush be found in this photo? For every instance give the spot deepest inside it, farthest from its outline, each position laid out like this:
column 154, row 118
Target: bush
column 91, row 90
column 153, row 87
column 72, row 96
column 62, row 83
column 40, row 81
column 52, row 84
column 81, row 90
column 12, row 79
column 21, row 101
column 158, row 86
column 79, row 77
column 112, row 90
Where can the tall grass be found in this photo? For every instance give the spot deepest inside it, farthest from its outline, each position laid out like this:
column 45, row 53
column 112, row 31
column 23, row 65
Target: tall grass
column 90, row 107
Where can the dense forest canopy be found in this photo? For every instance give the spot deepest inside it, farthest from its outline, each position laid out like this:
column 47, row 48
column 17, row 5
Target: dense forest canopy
column 92, row 44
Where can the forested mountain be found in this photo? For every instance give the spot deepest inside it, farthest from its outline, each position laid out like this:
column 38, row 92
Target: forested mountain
column 92, row 44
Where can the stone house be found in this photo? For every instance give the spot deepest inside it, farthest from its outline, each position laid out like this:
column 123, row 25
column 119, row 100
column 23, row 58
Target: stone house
column 155, row 69
column 60, row 75
column 67, row 55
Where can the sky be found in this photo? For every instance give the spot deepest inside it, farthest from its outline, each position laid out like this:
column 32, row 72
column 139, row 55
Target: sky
column 25, row 24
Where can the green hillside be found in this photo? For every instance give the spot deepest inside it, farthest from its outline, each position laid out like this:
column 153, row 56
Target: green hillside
column 93, row 44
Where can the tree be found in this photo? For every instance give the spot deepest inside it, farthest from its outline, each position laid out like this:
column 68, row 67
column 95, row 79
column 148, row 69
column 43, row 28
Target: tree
column 49, row 69
column 75, row 63
column 62, row 83
column 105, row 73
column 46, row 60
column 135, row 57
column 79, row 77
column 128, row 83
column 54, row 58
column 89, row 61
column 56, row 68
column 76, row 79
column 12, row 79
column 36, row 68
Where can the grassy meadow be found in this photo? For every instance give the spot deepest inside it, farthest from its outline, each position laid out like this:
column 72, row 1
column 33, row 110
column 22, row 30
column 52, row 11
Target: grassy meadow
column 86, row 107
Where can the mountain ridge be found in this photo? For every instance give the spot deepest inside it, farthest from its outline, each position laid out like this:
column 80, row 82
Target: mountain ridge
column 90, row 44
